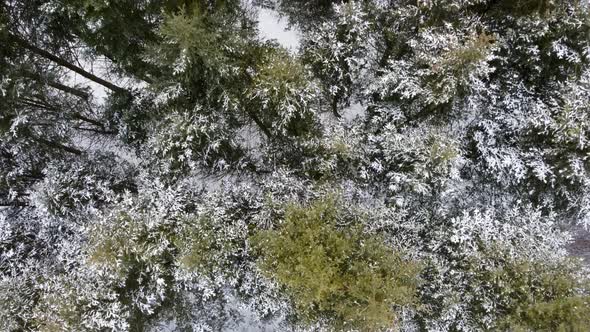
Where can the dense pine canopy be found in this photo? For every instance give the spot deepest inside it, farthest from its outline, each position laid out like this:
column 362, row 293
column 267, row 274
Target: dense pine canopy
column 163, row 167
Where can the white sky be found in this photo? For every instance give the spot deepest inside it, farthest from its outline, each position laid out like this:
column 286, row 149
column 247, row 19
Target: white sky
column 272, row 27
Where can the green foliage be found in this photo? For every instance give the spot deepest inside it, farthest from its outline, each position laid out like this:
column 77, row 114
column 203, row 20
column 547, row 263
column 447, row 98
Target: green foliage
column 562, row 314
column 136, row 249
column 128, row 244
column 5, row 122
column 462, row 59
column 190, row 140
column 118, row 29
column 193, row 35
column 336, row 273
column 17, row 302
column 533, row 295
column 528, row 7
column 203, row 38
column 203, row 247
column 337, row 55
column 475, row 136
column 280, row 93
column 61, row 311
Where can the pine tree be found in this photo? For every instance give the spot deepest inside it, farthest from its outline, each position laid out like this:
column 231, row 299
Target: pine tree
column 223, row 177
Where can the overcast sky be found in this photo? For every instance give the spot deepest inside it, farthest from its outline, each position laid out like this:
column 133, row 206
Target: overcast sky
column 271, row 27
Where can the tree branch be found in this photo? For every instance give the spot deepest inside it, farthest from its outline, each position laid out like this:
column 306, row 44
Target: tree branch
column 23, row 43
column 53, row 144
column 260, row 124
column 93, row 122
column 59, row 86
column 13, row 204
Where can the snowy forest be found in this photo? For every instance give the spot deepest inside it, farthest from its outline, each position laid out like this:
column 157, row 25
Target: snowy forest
column 407, row 165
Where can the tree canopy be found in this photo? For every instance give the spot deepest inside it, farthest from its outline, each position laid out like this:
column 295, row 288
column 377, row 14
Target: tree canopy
column 413, row 166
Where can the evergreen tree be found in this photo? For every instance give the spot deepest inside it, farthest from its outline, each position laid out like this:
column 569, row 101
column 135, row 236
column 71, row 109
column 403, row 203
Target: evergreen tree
column 223, row 177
